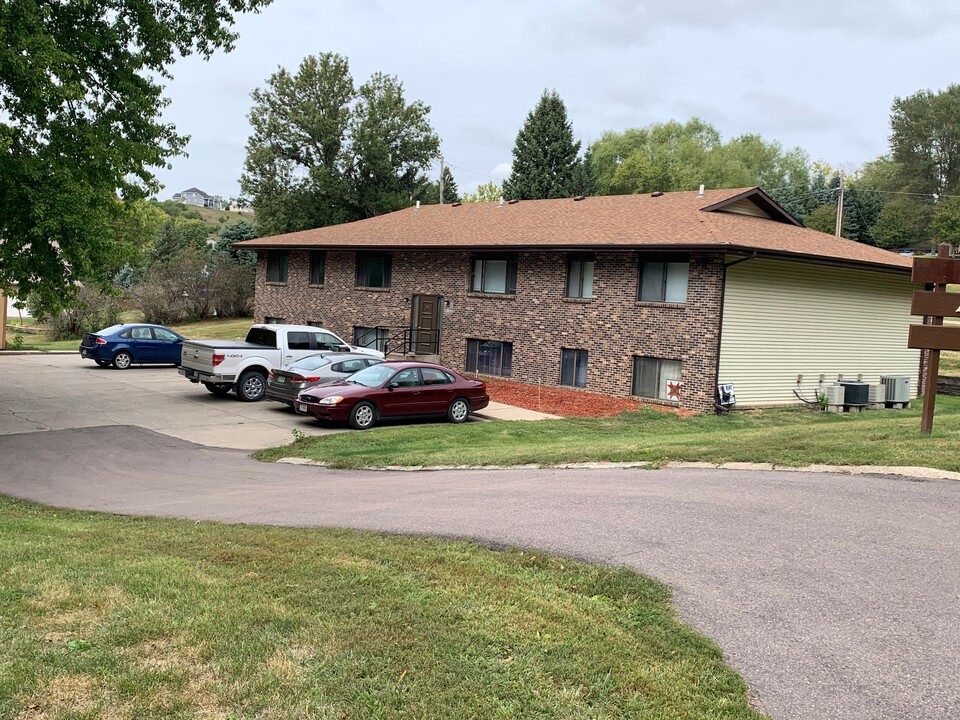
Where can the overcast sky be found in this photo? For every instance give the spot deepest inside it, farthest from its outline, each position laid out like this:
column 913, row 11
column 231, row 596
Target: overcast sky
column 819, row 74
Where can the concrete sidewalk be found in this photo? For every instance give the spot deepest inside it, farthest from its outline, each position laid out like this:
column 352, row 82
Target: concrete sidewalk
column 499, row 411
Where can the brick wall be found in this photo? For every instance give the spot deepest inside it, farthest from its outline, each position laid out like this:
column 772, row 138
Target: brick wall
column 612, row 326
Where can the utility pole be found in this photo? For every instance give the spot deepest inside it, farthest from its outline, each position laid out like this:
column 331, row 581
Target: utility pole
column 441, row 179
column 840, row 207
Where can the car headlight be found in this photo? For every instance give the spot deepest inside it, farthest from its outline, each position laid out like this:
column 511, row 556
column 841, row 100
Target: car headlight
column 331, row 400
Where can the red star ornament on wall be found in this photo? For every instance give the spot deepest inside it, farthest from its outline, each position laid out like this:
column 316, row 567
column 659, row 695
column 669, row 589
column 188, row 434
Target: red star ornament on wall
column 673, row 389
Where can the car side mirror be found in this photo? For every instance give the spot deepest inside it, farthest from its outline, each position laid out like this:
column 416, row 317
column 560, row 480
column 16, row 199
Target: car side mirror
column 344, row 348
column 393, row 386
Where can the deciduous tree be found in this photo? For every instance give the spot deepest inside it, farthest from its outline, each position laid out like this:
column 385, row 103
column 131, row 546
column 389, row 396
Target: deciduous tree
column 80, row 100
column 323, row 152
column 487, row 192
column 925, row 141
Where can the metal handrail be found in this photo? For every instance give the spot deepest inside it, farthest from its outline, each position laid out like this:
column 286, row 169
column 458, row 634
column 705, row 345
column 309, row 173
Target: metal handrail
column 405, row 340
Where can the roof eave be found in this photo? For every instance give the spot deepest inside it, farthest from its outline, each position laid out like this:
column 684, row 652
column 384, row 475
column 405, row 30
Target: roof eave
column 661, row 247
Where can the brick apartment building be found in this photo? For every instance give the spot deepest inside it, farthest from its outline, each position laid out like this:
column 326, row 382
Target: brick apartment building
column 658, row 296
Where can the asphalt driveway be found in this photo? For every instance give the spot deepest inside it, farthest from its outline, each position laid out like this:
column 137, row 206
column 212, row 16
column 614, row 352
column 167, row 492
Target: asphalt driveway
column 835, row 596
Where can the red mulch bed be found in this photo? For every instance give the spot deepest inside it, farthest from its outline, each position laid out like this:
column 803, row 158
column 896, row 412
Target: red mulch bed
column 565, row 402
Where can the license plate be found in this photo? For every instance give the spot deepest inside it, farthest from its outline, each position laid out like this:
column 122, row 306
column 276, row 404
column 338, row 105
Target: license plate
column 303, row 408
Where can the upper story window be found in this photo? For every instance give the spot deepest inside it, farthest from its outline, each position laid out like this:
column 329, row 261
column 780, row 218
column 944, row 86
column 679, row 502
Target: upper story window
column 318, row 266
column 664, row 279
column 494, row 274
column 374, row 269
column 580, row 276
column 277, row 266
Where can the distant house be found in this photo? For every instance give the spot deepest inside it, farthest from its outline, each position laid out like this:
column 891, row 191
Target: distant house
column 196, row 196
column 660, row 297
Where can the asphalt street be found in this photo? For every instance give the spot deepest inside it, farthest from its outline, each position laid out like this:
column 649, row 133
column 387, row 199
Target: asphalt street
column 835, row 596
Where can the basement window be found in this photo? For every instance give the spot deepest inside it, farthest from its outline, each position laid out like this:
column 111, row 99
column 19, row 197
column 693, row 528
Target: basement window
column 490, row 357
column 657, row 378
column 573, row 368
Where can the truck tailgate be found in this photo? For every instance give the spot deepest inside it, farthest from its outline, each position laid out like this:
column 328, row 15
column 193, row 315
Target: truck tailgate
column 197, row 356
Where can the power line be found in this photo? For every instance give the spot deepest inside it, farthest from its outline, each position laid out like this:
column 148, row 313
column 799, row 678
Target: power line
column 474, row 172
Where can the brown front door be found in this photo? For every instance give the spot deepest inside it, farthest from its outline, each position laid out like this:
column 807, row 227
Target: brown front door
column 425, row 324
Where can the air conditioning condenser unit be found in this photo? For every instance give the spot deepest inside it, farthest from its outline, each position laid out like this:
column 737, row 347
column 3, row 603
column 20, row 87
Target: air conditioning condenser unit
column 897, row 388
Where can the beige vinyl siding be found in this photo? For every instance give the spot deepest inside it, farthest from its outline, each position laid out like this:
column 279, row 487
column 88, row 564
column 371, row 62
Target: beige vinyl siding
column 745, row 207
column 784, row 319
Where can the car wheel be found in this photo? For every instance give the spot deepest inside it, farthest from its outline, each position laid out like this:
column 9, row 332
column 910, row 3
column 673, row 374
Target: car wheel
column 218, row 390
column 363, row 416
column 122, row 360
column 459, row 411
column 251, row 386
column 102, row 363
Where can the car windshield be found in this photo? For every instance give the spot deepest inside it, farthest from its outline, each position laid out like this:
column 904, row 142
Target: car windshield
column 373, row 376
column 108, row 330
column 309, row 363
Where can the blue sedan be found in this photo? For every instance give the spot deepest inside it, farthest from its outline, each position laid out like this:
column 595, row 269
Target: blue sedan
column 124, row 345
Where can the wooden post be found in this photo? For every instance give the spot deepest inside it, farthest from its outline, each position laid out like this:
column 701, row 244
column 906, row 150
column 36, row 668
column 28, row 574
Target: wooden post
column 933, row 362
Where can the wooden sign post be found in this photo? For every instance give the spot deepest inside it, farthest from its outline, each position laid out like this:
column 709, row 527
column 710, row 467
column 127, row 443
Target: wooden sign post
column 936, row 305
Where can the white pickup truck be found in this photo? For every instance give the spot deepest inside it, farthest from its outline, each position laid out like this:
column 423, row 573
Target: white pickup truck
column 222, row 365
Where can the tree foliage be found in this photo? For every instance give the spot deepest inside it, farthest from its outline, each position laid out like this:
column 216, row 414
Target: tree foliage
column 80, row 99
column 324, row 152
column 925, row 141
column 429, row 193
column 545, row 162
column 235, row 232
column 682, row 156
column 487, row 192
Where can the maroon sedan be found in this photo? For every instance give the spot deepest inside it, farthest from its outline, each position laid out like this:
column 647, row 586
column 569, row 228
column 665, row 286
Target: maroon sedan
column 399, row 389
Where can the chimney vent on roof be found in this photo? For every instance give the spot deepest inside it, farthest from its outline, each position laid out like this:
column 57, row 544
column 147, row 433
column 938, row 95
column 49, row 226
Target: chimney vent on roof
column 701, row 191
column 578, row 198
column 456, row 204
column 418, row 204
column 501, row 201
column 658, row 193
column 512, row 202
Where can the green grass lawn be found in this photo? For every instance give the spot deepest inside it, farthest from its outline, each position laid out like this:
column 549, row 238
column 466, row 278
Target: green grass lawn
column 231, row 329
column 105, row 616
column 786, row 436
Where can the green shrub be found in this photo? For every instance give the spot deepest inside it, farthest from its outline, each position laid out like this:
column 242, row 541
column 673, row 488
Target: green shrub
column 89, row 311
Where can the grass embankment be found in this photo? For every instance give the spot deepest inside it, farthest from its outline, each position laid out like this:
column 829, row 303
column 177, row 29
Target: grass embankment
column 785, row 437
column 232, row 329
column 107, row 616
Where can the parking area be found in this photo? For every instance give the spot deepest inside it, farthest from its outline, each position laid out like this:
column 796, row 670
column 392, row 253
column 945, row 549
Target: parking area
column 56, row 392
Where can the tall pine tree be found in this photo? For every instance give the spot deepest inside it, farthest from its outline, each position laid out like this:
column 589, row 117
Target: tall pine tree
column 545, row 163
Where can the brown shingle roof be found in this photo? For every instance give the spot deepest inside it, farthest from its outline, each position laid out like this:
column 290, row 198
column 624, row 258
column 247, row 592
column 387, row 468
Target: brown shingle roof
column 674, row 220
